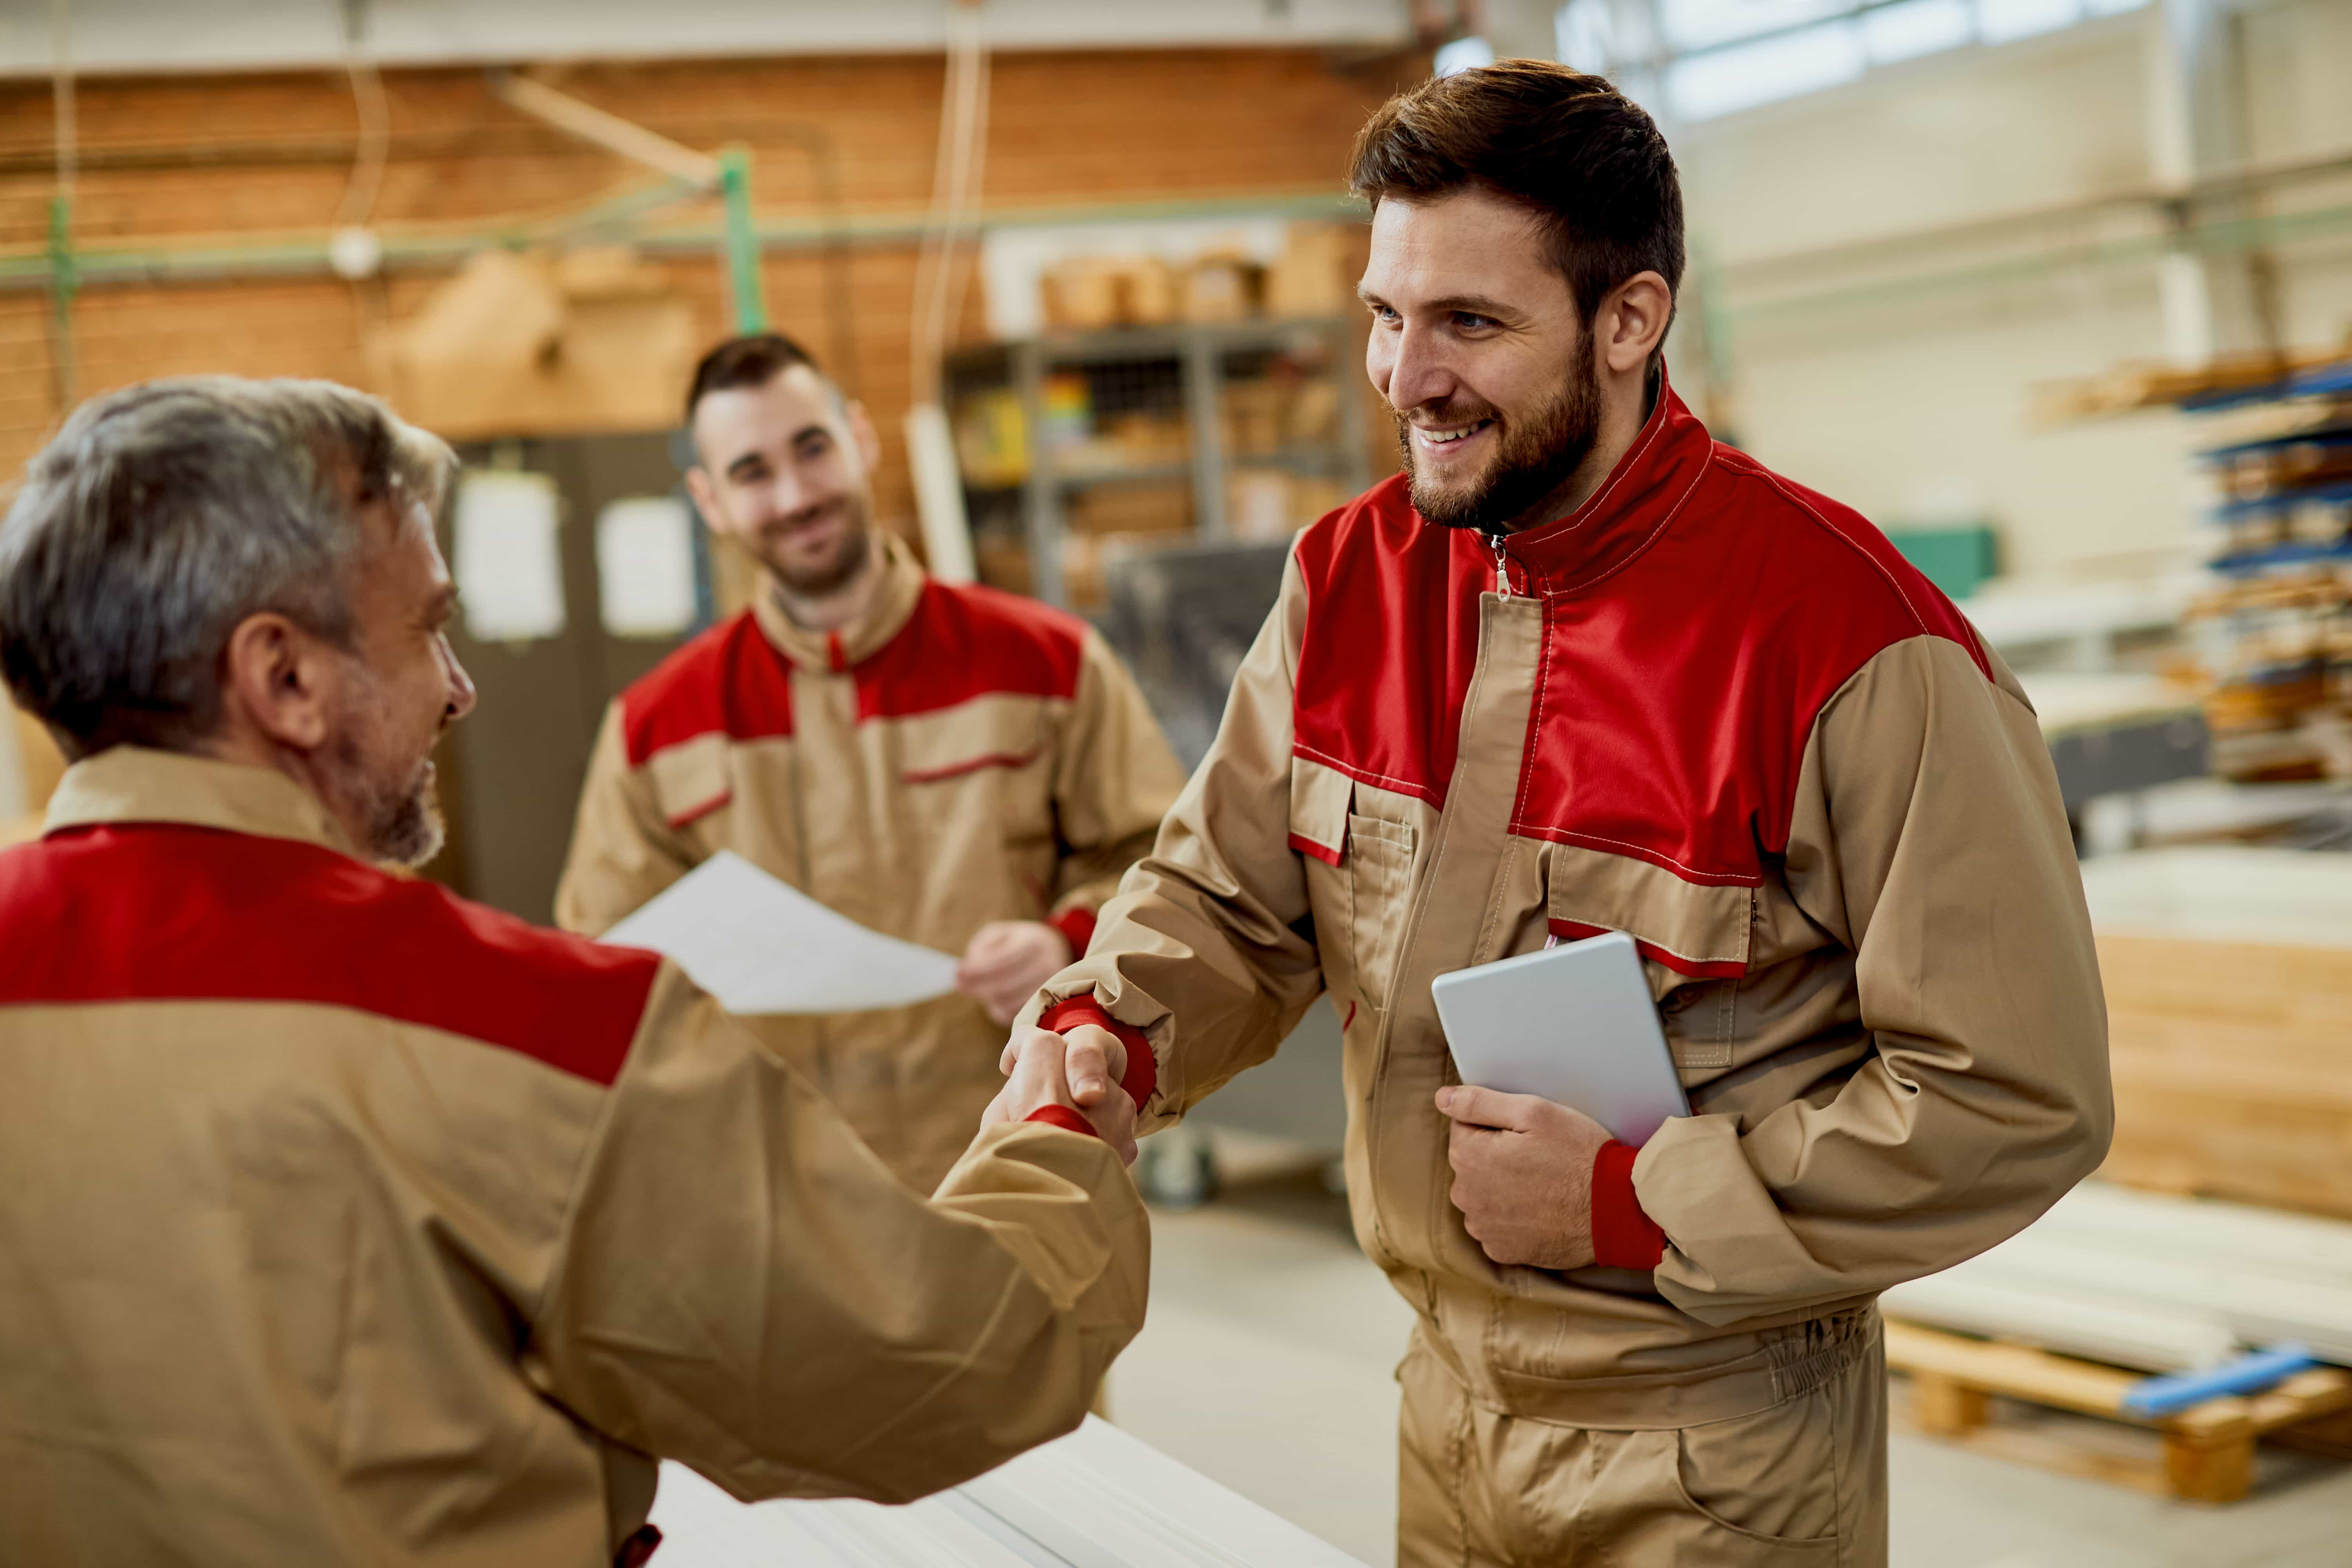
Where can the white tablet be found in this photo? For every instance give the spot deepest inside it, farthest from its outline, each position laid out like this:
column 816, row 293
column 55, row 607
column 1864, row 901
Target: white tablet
column 1573, row 1024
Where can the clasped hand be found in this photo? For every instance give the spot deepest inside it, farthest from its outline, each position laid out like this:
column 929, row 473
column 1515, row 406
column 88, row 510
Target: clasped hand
column 1079, row 1071
column 1522, row 1175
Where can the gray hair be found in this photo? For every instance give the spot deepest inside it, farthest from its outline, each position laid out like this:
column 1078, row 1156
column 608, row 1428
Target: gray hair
column 163, row 515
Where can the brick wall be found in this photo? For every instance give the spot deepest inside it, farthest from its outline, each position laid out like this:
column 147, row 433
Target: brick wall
column 246, row 158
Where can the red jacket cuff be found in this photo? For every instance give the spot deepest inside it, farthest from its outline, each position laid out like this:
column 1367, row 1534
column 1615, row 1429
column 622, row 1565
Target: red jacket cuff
column 1142, row 1074
column 1077, row 927
column 1063, row 1117
column 1623, row 1235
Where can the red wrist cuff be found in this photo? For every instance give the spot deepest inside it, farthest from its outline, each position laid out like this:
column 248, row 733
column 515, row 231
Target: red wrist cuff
column 1623, row 1235
column 1142, row 1074
column 1063, row 1117
column 1077, row 927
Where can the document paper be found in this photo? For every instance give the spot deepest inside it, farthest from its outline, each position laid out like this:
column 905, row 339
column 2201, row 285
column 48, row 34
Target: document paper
column 759, row 945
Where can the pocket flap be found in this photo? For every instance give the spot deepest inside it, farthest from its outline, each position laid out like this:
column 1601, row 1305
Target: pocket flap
column 999, row 731
column 1319, row 797
column 691, row 780
column 1694, row 929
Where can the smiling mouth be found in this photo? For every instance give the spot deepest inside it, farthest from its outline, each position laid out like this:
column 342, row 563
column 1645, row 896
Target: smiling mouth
column 1448, row 437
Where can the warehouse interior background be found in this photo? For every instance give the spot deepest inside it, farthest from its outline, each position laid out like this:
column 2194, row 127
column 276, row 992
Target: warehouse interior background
column 2058, row 292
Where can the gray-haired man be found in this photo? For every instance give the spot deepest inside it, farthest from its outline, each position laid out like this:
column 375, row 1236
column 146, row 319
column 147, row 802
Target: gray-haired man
column 342, row 1221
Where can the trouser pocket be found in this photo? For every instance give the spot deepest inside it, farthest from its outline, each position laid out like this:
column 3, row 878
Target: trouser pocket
column 1801, row 1482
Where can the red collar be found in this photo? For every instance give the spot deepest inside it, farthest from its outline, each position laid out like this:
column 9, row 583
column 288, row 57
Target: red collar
column 1642, row 494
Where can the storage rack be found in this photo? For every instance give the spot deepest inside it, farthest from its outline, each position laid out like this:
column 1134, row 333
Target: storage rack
column 2275, row 634
column 1181, row 387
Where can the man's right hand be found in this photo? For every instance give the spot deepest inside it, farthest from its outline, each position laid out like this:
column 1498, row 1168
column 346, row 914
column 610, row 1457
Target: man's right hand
column 1093, row 1060
column 1078, row 1073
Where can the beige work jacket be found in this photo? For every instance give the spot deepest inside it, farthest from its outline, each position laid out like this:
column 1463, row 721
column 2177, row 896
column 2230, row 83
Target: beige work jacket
column 957, row 756
column 1719, row 712
column 344, row 1222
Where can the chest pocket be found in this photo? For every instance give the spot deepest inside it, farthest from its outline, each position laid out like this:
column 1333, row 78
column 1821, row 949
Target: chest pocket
column 1695, row 942
column 980, row 768
column 1360, row 871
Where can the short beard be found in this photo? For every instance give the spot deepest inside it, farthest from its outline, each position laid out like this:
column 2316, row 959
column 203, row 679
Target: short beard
column 1532, row 461
column 857, row 540
column 400, row 818
column 405, row 827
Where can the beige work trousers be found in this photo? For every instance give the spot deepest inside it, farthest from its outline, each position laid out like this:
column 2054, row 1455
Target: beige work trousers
column 1801, row 1482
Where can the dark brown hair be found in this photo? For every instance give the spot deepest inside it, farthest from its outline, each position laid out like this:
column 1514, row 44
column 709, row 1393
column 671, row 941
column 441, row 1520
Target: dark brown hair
column 1583, row 158
column 753, row 360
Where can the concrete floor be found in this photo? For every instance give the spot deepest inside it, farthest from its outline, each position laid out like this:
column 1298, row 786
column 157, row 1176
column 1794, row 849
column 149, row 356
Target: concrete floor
column 1267, row 1364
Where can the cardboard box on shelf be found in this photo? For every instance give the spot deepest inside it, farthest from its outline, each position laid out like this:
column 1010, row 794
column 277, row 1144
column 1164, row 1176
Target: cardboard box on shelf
column 1316, row 277
column 1098, row 509
column 1257, row 503
column 1274, row 503
column 1222, row 288
column 1092, row 293
column 1002, row 563
column 1147, row 440
column 514, row 344
column 1257, row 417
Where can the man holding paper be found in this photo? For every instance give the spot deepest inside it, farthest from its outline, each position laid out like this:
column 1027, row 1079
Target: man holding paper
column 943, row 763
column 1583, row 670
column 342, row 1221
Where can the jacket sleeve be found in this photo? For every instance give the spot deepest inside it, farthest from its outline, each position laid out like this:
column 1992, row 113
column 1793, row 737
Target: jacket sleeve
column 1211, row 928
column 623, row 849
column 1114, row 779
column 1928, row 839
column 741, row 1285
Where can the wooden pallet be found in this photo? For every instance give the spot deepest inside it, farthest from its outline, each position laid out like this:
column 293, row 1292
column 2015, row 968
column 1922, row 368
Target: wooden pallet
column 2208, row 1450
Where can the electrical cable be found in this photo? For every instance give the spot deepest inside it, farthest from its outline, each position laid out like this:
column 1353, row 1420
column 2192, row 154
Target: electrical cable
column 953, row 186
column 62, row 359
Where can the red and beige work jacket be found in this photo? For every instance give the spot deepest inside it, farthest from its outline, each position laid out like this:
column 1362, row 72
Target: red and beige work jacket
column 344, row 1222
column 1718, row 711
column 957, row 756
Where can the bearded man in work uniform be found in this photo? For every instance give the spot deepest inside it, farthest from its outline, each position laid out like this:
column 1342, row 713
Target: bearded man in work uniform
column 1583, row 670
column 946, row 763
column 344, row 1222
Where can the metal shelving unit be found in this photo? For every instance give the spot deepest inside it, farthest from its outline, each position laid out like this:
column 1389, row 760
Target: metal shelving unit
column 2275, row 635
column 1160, row 379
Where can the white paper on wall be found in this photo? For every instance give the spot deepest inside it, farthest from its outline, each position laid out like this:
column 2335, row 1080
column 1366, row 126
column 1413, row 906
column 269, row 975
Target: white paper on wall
column 645, row 566
column 760, row 945
column 510, row 565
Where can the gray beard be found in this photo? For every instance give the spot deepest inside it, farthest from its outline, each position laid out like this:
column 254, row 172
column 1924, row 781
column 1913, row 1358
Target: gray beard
column 408, row 829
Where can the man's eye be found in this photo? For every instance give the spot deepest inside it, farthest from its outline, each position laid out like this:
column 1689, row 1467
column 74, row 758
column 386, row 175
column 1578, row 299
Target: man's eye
column 1474, row 323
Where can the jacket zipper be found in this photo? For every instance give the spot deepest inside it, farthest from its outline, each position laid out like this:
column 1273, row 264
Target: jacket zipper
column 1502, row 566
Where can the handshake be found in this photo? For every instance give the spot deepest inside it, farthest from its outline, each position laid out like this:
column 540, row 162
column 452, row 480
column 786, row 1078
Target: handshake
column 1079, row 1071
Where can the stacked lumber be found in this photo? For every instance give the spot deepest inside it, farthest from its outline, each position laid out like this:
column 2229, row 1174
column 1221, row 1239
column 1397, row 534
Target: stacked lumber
column 2228, row 985
column 2152, row 1282
column 2155, row 384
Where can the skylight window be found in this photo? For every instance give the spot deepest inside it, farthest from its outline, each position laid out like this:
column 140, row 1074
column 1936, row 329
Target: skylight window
column 1723, row 56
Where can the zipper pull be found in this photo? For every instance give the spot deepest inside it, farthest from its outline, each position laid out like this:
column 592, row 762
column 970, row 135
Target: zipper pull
column 1502, row 566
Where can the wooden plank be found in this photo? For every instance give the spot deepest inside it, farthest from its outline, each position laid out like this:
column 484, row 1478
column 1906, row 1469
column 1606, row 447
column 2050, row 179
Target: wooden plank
column 1946, row 1407
column 2015, row 1371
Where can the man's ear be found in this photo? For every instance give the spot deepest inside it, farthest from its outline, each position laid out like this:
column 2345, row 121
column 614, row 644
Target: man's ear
column 861, row 430
column 1632, row 321
column 706, row 496
column 281, row 682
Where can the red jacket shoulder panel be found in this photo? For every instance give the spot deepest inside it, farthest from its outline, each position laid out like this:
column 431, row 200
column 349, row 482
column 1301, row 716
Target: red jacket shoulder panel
column 1391, row 637
column 727, row 681
column 1677, row 687
column 165, row 912
column 1697, row 673
column 965, row 641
